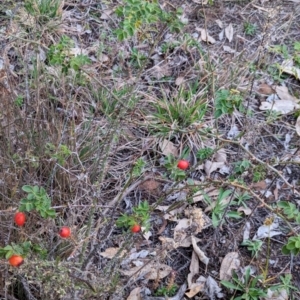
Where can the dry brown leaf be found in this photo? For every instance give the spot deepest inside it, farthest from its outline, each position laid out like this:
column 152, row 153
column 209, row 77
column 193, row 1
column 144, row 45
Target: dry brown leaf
column 205, row 36
column 151, row 186
column 277, row 295
column 168, row 243
column 194, row 268
column 283, row 94
column 220, row 155
column 171, row 244
column 229, row 32
column 297, row 126
column 135, row 294
column 151, row 270
column 112, row 252
column 265, row 89
column 261, row 185
column 246, row 210
column 228, row 49
column 106, row 14
column 288, row 67
column 103, row 58
column 171, row 215
column 195, row 287
column 162, row 227
column 201, row 255
column 168, row 147
column 78, row 51
column 197, row 217
column 160, row 71
column 210, row 166
column 280, row 106
column 179, row 80
column 230, row 262
column 180, row 233
column 220, row 23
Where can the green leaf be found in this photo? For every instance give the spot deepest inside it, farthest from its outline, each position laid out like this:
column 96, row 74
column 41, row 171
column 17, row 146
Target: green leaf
column 51, row 213
column 233, row 214
column 231, row 285
column 9, row 254
column 36, row 189
column 27, row 188
column 285, row 250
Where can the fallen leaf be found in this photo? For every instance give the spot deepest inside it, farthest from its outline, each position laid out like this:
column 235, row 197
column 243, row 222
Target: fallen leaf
column 160, row 71
column 288, row 67
column 233, row 132
column 163, row 226
column 280, row 106
column 106, row 14
column 277, row 295
column 135, row 294
column 283, row 94
column 267, row 231
column 103, row 58
column 172, row 214
column 146, row 234
column 179, row 80
column 220, row 155
column 168, row 147
column 261, row 185
column 151, row 186
column 210, row 166
column 230, row 262
column 228, row 49
column 197, row 286
column 265, row 89
column 297, row 126
column 229, row 32
column 151, row 270
column 246, row 210
column 205, row 36
column 194, row 269
column 78, row 51
column 212, row 288
column 112, row 252
column 246, row 233
column 219, row 22
column 180, row 232
column 197, row 216
column 201, row 255
column 221, row 35
column 171, row 244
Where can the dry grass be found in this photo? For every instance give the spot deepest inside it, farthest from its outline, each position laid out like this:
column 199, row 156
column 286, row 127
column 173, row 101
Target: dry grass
column 79, row 135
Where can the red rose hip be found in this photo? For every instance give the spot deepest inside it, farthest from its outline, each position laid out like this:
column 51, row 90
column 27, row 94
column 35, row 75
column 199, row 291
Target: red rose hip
column 16, row 260
column 136, row 228
column 20, row 218
column 65, row 232
column 183, row 164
